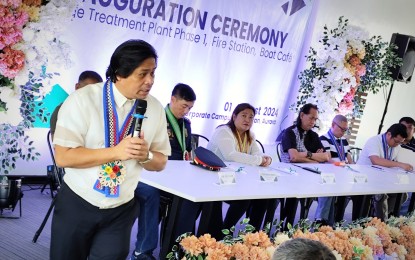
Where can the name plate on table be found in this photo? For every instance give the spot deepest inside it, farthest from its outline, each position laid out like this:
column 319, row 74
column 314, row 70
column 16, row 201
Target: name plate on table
column 403, row 178
column 359, row 178
column 226, row 178
column 268, row 175
column 328, row 178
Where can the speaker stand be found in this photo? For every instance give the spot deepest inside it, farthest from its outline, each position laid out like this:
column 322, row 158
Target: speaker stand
column 386, row 107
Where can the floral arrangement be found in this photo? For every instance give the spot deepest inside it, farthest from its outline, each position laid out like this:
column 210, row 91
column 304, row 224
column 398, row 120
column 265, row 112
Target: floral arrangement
column 345, row 63
column 29, row 43
column 367, row 238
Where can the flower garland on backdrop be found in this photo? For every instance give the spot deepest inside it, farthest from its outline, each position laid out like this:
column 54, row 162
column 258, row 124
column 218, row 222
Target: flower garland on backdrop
column 345, row 63
column 367, row 238
column 30, row 33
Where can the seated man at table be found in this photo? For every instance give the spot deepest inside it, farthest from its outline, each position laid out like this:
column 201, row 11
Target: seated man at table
column 335, row 143
column 409, row 144
column 383, row 150
column 179, row 132
column 300, row 144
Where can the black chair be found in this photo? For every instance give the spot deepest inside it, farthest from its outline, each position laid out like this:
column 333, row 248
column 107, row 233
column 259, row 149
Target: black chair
column 360, row 202
column 272, row 203
column 54, row 173
column 10, row 195
column 55, row 177
column 260, row 145
column 278, row 148
column 166, row 200
column 198, row 140
column 305, row 203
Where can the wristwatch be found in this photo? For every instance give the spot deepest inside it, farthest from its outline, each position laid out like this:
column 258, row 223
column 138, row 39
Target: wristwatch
column 149, row 158
column 309, row 154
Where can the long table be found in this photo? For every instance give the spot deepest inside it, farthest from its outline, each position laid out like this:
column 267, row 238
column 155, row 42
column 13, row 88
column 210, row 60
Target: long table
column 193, row 183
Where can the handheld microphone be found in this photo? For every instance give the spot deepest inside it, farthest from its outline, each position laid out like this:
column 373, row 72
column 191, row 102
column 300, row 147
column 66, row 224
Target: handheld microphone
column 140, row 110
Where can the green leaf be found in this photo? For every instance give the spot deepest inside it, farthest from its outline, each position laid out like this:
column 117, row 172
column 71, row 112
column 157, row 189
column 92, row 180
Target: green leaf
column 225, row 231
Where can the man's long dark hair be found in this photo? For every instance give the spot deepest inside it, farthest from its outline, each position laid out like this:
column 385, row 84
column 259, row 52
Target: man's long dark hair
column 306, row 110
column 128, row 57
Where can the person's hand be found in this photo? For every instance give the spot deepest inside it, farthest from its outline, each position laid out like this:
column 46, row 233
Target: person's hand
column 266, row 161
column 321, row 150
column 406, row 166
column 321, row 156
column 132, row 148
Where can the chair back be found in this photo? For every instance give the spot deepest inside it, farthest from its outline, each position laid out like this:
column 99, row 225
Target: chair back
column 198, row 140
column 56, row 172
column 260, row 145
column 278, row 148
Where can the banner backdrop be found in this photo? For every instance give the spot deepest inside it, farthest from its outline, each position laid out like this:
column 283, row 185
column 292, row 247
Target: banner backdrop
column 229, row 52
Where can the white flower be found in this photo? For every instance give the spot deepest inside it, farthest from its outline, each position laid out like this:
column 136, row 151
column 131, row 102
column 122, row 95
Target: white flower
column 12, row 114
column 21, row 78
column 337, row 255
column 281, row 238
column 28, row 34
column 31, row 55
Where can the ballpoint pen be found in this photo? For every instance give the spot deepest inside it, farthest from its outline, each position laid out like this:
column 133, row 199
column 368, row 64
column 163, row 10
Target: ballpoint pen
column 377, row 167
column 308, row 169
column 351, row 169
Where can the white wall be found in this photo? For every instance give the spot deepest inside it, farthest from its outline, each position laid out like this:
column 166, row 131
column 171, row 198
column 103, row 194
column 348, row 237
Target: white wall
column 378, row 17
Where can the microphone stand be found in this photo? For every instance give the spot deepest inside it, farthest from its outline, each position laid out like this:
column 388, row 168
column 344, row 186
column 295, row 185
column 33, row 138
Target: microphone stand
column 386, row 107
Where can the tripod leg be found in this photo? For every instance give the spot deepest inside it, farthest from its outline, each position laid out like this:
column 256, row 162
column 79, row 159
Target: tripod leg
column 37, row 234
column 44, row 187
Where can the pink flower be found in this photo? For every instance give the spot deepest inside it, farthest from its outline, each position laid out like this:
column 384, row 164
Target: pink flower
column 11, row 62
column 12, row 3
column 361, row 70
column 12, row 22
column 354, row 60
column 345, row 107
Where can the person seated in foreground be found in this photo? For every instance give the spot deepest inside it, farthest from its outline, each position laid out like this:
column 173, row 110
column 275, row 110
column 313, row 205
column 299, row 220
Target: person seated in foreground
column 236, row 142
column 382, row 150
column 303, row 249
column 335, row 143
column 300, row 144
column 85, row 78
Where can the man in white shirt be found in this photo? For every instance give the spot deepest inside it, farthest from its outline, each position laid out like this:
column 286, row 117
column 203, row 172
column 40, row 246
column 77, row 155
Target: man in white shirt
column 95, row 208
column 383, row 150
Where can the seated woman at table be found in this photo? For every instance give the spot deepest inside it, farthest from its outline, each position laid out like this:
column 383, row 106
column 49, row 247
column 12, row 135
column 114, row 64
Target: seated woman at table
column 235, row 142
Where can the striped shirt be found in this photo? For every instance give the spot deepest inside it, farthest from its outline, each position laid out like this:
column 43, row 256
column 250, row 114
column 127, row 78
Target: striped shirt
column 329, row 145
column 410, row 145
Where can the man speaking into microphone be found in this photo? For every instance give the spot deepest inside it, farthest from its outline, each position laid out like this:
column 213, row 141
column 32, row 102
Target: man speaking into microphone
column 95, row 143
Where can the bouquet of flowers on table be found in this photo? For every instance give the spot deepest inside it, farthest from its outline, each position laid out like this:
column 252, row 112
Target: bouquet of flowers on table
column 30, row 33
column 367, row 238
column 346, row 62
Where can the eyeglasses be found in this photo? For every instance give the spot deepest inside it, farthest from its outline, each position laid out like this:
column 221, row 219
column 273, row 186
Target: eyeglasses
column 344, row 130
column 397, row 142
